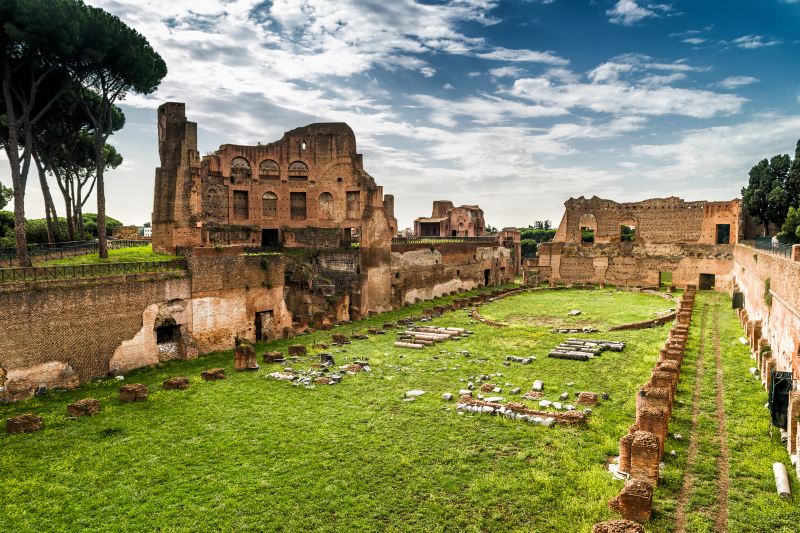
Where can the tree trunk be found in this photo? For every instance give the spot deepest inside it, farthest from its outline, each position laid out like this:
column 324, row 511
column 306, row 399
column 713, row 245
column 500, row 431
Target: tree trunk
column 766, row 228
column 17, row 177
column 49, row 207
column 102, row 244
column 64, row 188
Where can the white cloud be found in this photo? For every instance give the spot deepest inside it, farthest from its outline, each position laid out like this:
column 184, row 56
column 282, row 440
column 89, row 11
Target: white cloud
column 505, row 72
column 448, row 86
column 694, row 40
column 428, row 72
column 628, row 12
column 523, row 56
column 732, row 82
column 719, row 157
column 751, row 42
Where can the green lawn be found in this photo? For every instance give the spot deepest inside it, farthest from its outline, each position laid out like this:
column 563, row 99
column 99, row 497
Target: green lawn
column 253, row 454
column 600, row 308
column 122, row 255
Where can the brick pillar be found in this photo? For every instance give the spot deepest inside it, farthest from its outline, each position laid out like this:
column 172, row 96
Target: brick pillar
column 625, row 454
column 634, row 502
column 756, row 335
column 796, row 252
column 791, row 422
column 653, row 420
column 644, row 457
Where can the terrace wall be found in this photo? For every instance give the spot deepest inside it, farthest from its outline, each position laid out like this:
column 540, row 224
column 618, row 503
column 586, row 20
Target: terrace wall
column 780, row 320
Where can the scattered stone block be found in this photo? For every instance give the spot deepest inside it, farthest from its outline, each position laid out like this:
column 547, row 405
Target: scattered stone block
column 588, row 398
column 244, row 356
column 538, row 385
column 213, row 374
column 487, row 387
column 447, row 396
column 133, row 392
column 298, row 349
column 84, row 407
column 274, row 357
column 24, row 423
column 414, row 393
column 176, row 383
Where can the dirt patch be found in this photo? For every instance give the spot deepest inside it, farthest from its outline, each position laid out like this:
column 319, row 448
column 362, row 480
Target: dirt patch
column 691, row 457
column 723, row 464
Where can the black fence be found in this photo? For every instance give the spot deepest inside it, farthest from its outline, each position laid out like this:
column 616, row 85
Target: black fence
column 486, row 239
column 765, row 244
column 47, row 252
column 8, row 275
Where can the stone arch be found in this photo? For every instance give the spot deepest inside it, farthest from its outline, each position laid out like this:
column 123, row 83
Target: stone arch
column 326, row 206
column 298, row 171
column 628, row 228
column 269, row 205
column 240, row 167
column 587, row 228
column 269, row 170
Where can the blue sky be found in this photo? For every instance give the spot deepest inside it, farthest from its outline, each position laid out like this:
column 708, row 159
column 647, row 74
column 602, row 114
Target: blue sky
column 513, row 105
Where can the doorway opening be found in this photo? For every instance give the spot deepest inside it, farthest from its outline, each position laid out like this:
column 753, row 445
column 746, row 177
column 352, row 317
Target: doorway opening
column 707, row 282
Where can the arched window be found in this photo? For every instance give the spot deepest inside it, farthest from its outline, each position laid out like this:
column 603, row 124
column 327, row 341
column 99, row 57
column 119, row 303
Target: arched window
column 298, row 171
column 326, row 206
column 240, row 168
column 269, row 170
column 588, row 227
column 627, row 229
column 269, row 204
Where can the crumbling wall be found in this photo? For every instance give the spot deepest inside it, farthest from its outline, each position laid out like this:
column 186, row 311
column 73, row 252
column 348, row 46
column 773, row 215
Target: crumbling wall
column 423, row 272
column 635, row 264
column 78, row 323
column 779, row 314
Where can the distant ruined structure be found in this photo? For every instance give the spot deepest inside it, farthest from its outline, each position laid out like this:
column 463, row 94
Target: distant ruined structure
column 641, row 243
column 447, row 220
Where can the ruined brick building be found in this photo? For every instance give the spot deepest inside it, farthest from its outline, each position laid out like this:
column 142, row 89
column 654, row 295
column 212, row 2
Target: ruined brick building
column 643, row 243
column 447, row 220
column 308, row 189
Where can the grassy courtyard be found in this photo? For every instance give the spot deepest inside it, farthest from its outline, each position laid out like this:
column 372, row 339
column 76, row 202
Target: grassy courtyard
column 121, row 255
column 253, row 454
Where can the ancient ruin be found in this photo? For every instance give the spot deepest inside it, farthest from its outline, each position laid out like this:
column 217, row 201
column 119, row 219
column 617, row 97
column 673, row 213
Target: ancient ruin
column 446, row 220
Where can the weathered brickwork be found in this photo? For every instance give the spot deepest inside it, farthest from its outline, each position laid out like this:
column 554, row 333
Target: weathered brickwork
column 446, row 220
column 267, row 194
column 632, row 244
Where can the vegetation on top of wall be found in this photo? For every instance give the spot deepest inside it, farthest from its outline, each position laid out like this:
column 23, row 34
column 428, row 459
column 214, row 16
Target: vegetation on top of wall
column 36, row 229
column 790, row 231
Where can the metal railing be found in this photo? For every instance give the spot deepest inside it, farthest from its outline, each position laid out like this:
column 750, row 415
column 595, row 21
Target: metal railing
column 766, row 245
column 47, row 252
column 433, row 240
column 8, row 275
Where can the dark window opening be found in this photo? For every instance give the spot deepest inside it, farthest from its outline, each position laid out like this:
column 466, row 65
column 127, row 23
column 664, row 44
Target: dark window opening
column 168, row 333
column 453, row 233
column 723, row 233
column 264, row 326
column 587, row 235
column 707, row 282
column 627, row 233
column 240, row 209
column 487, row 275
column 429, row 229
column 270, row 237
column 297, row 205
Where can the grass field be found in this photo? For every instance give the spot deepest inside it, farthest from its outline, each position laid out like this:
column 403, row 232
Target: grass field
column 122, row 255
column 252, row 454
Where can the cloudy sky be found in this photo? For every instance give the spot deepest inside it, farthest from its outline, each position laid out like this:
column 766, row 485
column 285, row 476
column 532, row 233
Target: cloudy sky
column 515, row 105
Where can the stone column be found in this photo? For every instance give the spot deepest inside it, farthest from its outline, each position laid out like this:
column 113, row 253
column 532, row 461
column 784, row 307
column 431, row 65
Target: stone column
column 644, row 457
column 635, row 501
